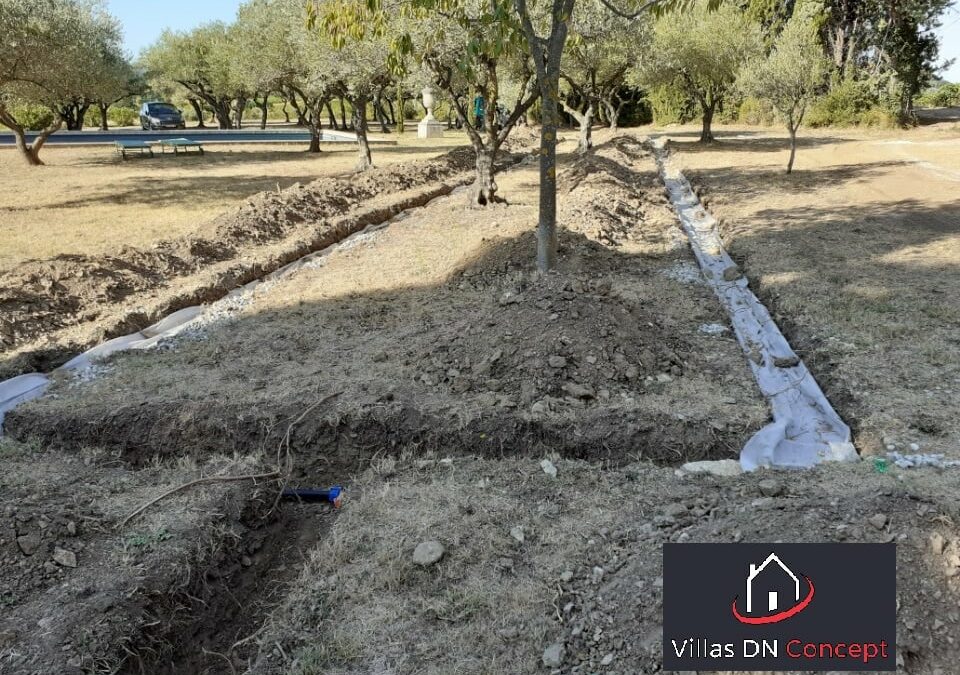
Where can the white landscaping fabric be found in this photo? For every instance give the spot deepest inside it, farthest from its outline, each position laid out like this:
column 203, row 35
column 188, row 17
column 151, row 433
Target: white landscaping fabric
column 805, row 429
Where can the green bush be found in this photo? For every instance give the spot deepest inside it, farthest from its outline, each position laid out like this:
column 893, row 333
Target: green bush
column 635, row 113
column 852, row 103
column 671, row 105
column 756, row 112
column 944, row 96
column 117, row 116
column 32, row 117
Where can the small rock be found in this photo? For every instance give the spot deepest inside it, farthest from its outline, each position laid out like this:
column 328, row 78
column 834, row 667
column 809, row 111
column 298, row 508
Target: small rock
column 731, row 273
column 770, row 487
column 914, row 446
column 878, row 520
column 517, row 533
column 722, row 467
column 548, row 468
column 553, row 655
column 64, row 557
column 428, row 552
column 786, row 361
column 606, row 660
column 663, row 378
column 557, row 361
column 28, row 543
column 72, row 528
column 937, row 543
column 675, row 509
column 566, row 577
column 598, row 573
column 578, row 390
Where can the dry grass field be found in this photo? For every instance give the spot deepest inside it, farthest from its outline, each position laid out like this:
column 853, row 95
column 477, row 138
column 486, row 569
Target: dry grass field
column 87, row 201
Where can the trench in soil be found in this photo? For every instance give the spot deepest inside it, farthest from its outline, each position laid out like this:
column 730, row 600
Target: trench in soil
column 209, row 626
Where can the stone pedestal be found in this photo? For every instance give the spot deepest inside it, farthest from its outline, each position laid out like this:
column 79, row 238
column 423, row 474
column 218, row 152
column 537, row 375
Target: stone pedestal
column 429, row 127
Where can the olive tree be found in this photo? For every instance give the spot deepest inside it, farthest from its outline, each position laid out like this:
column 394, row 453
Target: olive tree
column 52, row 53
column 466, row 49
column 790, row 77
column 599, row 52
column 201, row 62
column 700, row 52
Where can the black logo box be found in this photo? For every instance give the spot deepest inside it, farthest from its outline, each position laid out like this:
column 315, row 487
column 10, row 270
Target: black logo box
column 854, row 603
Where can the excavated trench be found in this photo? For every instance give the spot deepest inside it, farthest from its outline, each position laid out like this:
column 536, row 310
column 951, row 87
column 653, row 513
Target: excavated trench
column 207, row 624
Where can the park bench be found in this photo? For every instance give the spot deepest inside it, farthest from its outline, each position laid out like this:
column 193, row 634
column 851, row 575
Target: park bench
column 178, row 144
column 141, row 147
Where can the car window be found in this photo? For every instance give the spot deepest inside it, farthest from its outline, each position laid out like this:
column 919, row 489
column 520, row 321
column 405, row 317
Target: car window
column 162, row 109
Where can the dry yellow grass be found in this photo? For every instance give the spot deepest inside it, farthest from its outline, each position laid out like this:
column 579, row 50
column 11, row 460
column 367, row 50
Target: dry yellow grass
column 87, row 201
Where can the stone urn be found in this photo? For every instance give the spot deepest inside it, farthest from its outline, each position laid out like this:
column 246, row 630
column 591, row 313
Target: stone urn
column 429, row 126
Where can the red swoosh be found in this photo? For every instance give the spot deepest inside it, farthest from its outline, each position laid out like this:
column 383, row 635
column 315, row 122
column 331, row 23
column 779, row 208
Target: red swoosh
column 775, row 618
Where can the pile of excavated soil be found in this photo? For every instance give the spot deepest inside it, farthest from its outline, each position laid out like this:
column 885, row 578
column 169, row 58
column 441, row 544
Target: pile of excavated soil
column 52, row 309
column 438, row 333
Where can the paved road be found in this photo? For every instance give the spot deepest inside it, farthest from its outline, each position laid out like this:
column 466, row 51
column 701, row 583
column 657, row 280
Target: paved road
column 203, row 135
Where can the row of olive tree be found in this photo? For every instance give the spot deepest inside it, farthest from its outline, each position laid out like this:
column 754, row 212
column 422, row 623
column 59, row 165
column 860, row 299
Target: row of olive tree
column 64, row 55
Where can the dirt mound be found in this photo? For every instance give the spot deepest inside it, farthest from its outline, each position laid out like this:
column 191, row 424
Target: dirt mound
column 40, row 298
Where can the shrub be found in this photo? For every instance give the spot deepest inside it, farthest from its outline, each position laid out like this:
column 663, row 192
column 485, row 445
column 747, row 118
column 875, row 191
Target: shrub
column 117, row 116
column 32, row 117
column 756, row 112
column 671, row 105
column 854, row 103
column 944, row 96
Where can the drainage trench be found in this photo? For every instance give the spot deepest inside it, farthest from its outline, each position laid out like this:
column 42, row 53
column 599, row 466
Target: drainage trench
column 806, row 430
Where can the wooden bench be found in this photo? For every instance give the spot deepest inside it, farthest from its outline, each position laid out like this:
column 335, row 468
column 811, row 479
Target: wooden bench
column 141, row 147
column 178, row 144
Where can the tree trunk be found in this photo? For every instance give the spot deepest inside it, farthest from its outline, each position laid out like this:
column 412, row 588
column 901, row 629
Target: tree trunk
column 286, row 113
column 222, row 114
column 239, row 108
column 380, row 114
column 29, row 151
column 364, row 161
column 586, row 130
column 198, row 111
column 343, row 113
column 793, row 149
column 264, row 111
column 103, row 107
column 485, row 185
column 315, row 135
column 401, row 117
column 333, row 118
column 706, row 135
column 547, row 221
column 613, row 115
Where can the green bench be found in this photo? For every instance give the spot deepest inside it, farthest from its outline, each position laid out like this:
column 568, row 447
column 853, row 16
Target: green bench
column 178, row 144
column 140, row 147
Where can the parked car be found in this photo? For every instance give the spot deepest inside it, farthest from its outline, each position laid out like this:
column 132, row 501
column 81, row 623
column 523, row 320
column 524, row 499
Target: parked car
column 157, row 115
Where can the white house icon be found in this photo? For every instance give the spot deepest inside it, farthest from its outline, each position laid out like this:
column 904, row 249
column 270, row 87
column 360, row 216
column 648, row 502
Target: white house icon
column 772, row 602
